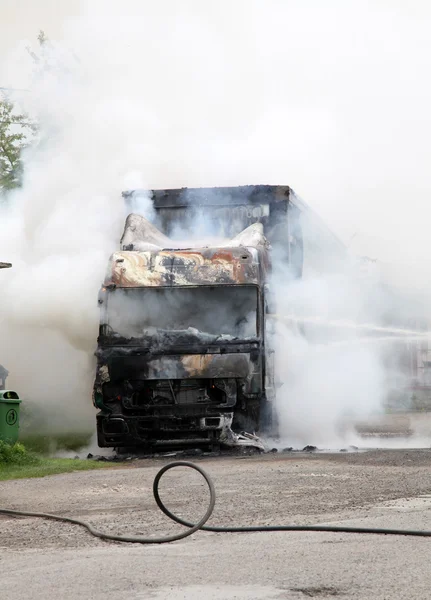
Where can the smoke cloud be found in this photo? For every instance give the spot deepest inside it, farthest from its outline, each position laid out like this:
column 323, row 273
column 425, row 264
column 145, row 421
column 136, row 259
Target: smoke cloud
column 329, row 99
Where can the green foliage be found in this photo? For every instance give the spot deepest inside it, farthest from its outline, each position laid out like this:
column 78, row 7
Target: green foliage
column 15, row 129
column 16, row 454
column 49, row 466
column 53, row 442
column 16, row 132
column 16, row 462
column 41, row 38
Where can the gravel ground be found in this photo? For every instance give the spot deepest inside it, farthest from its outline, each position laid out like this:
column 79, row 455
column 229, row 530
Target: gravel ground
column 45, row 559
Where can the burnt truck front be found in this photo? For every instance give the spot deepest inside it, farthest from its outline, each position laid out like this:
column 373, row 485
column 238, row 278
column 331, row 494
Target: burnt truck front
column 181, row 355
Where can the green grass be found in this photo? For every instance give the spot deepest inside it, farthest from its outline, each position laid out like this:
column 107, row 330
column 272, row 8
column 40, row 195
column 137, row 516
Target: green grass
column 16, row 462
column 51, row 443
column 49, row 466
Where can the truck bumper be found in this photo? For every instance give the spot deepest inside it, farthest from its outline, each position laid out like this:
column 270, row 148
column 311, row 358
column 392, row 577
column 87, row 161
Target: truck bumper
column 115, row 431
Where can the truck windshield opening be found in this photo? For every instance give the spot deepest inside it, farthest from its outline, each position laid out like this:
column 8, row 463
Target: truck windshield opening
column 214, row 310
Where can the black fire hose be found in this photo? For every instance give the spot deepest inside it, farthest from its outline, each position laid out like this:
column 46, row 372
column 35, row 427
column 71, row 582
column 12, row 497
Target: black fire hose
column 193, row 527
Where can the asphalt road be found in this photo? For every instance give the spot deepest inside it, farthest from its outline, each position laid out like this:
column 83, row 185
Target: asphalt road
column 47, row 560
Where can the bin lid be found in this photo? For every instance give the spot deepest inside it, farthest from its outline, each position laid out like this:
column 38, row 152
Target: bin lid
column 9, row 396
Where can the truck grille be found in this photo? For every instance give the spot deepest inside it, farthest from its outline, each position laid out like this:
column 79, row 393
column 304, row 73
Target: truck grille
column 179, row 392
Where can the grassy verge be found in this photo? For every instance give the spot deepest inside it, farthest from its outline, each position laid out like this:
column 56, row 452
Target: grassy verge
column 48, row 466
column 16, row 462
column 51, row 443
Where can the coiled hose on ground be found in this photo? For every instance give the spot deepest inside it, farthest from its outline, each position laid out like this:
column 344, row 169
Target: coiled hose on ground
column 193, row 527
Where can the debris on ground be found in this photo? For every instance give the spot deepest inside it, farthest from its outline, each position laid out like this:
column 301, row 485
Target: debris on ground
column 309, row 449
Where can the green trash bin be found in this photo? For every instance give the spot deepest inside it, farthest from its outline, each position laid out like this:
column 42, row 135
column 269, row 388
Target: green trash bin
column 9, row 416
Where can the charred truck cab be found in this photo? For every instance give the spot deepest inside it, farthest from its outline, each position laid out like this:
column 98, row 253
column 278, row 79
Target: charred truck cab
column 183, row 356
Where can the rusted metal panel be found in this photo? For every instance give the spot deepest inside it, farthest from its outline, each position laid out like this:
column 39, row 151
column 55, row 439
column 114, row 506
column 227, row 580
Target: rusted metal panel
column 186, row 366
column 149, row 258
column 205, row 266
column 200, row 366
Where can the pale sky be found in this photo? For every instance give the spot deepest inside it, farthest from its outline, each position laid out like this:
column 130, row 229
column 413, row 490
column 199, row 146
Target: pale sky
column 22, row 19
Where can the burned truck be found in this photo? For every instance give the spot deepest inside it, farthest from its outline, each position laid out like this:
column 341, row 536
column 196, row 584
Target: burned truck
column 183, row 356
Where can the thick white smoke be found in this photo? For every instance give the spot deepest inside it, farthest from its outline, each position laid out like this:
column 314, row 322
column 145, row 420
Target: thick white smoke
column 330, row 375
column 323, row 97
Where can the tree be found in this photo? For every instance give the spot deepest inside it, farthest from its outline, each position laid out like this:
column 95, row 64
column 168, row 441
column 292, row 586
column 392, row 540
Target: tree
column 43, row 43
column 15, row 130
